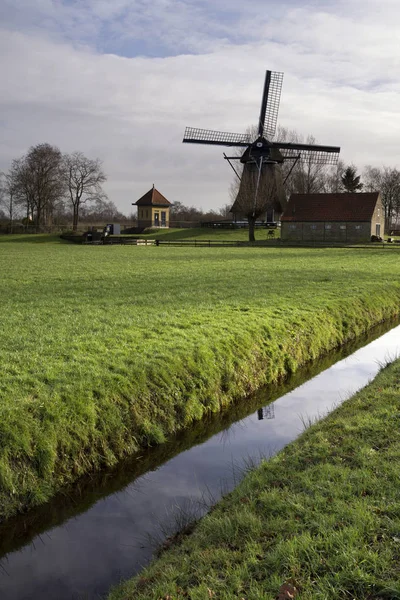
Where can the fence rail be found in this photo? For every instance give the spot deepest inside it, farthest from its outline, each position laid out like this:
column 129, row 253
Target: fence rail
column 195, row 243
column 199, row 243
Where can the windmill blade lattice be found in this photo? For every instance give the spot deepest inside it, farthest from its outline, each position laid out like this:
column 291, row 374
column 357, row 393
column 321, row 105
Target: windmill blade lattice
column 194, row 135
column 263, row 149
column 317, row 155
column 270, row 117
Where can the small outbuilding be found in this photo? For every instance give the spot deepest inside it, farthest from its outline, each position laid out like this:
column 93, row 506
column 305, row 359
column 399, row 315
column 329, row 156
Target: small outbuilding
column 153, row 209
column 333, row 217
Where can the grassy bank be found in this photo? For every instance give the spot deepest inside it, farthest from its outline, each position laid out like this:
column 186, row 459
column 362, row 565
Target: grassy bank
column 321, row 520
column 107, row 349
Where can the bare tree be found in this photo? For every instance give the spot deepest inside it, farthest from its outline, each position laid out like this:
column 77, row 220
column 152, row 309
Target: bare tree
column 37, row 184
column 225, row 210
column 372, row 178
column 333, row 178
column 23, row 186
column 83, row 178
column 44, row 162
column 306, row 177
column 7, row 198
column 387, row 181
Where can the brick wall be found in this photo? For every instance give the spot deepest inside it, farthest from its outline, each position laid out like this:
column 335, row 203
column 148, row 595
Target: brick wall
column 378, row 218
column 326, row 232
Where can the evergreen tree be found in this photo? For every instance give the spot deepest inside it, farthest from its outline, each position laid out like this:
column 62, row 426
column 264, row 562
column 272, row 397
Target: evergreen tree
column 350, row 180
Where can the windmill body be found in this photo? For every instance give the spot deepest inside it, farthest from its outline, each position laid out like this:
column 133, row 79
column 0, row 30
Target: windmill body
column 261, row 183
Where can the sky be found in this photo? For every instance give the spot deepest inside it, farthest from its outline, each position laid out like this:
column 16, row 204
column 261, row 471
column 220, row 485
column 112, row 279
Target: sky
column 120, row 80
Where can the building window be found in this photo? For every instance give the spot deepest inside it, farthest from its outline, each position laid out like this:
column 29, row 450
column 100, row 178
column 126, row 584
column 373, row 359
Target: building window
column 328, row 226
column 357, row 227
column 342, row 226
column 292, row 226
column 313, row 227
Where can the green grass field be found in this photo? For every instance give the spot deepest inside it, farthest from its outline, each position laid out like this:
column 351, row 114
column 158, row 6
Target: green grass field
column 262, row 234
column 105, row 349
column 209, row 233
column 319, row 521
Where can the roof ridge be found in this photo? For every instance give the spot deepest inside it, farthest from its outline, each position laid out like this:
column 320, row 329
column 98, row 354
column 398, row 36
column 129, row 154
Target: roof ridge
column 153, row 198
column 325, row 194
column 159, row 193
column 333, row 206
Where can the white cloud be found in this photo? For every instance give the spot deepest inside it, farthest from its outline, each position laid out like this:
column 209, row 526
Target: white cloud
column 340, row 65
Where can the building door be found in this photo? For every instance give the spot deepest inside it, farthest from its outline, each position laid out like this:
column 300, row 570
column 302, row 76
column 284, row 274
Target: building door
column 156, row 219
column 378, row 230
column 163, row 218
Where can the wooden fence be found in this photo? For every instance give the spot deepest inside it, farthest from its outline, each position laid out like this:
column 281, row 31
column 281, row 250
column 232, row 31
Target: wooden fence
column 195, row 243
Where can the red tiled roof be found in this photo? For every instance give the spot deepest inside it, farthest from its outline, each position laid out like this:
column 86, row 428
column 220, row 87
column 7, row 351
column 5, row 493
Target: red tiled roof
column 153, row 198
column 330, row 207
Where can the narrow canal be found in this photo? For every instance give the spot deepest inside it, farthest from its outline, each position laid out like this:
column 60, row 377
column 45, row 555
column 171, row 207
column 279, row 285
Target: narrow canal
column 89, row 538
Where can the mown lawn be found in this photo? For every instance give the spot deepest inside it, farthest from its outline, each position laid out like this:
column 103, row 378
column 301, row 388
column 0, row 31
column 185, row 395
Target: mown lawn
column 105, row 349
column 319, row 521
column 210, row 233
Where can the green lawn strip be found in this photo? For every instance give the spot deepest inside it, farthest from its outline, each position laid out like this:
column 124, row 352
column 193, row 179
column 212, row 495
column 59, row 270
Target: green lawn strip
column 208, row 233
column 322, row 515
column 32, row 238
column 108, row 349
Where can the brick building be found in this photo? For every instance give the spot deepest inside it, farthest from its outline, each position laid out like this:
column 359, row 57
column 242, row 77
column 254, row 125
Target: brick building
column 333, row 217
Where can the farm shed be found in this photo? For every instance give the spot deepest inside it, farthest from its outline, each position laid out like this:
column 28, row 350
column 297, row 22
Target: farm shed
column 333, row 217
column 153, row 209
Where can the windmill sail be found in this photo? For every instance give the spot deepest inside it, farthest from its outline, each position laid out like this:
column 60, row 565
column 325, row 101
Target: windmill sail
column 270, row 103
column 194, row 135
column 315, row 154
column 261, row 186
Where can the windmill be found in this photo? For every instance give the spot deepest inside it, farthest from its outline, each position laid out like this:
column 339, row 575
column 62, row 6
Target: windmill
column 261, row 182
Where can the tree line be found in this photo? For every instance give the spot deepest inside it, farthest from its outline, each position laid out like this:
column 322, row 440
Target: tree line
column 45, row 188
column 45, row 184
column 182, row 214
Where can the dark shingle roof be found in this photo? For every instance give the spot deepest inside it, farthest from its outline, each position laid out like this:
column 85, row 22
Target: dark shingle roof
column 152, row 198
column 330, row 207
